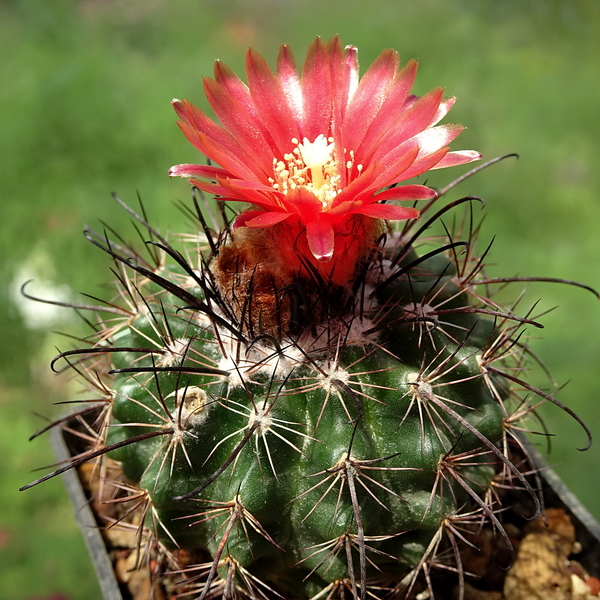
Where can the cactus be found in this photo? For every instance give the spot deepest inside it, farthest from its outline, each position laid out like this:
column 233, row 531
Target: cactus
column 318, row 396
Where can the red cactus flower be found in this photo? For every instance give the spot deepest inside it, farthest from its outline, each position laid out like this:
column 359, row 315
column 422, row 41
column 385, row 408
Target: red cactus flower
column 321, row 150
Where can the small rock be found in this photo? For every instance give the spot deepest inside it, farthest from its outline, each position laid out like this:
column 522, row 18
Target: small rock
column 593, row 584
column 540, row 571
column 557, row 524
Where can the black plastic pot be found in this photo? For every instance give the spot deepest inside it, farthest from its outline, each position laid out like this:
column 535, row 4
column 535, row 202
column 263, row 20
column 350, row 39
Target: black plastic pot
column 85, row 519
column 556, row 495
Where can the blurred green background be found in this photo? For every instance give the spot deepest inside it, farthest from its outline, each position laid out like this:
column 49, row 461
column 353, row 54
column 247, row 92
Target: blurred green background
column 84, row 110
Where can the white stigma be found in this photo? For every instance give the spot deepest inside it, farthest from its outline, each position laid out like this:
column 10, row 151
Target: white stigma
column 316, row 155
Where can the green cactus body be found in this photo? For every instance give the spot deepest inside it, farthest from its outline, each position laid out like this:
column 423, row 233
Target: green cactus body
column 306, row 459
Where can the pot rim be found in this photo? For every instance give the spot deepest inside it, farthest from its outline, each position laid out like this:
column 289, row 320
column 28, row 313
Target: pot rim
column 86, row 521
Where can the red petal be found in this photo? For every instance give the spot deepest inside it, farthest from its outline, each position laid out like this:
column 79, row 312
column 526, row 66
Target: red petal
column 252, row 192
column 320, row 238
column 211, row 188
column 343, row 68
column 316, row 91
column 389, row 114
column 434, row 138
column 233, row 105
column 389, row 212
column 261, row 220
column 240, row 220
column 406, row 192
column 306, row 204
column 443, row 110
column 351, row 70
column 370, row 95
column 340, row 211
column 245, row 185
column 413, row 121
column 360, row 188
column 290, row 82
column 460, row 157
column 271, row 102
column 187, row 170
column 219, row 146
column 194, row 120
column 396, row 165
column 236, row 162
column 341, row 73
column 424, row 164
column 191, row 135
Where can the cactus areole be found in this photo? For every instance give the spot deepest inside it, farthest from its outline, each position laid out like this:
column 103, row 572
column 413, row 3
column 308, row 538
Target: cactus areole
column 317, row 397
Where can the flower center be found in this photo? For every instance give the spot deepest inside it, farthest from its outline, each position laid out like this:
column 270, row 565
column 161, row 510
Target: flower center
column 317, row 157
column 310, row 165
